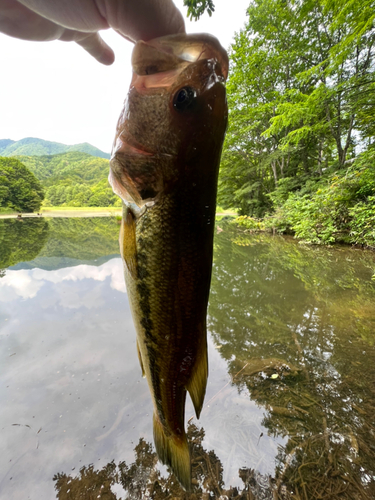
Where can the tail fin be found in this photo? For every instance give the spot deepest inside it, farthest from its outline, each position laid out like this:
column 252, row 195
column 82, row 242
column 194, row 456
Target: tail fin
column 174, row 452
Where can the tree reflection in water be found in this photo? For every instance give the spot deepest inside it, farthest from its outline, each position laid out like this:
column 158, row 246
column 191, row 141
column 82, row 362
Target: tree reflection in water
column 313, row 310
column 296, row 329
column 142, row 479
column 21, row 241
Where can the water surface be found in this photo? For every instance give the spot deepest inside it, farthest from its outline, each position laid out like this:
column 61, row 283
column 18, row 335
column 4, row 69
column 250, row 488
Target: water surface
column 290, row 404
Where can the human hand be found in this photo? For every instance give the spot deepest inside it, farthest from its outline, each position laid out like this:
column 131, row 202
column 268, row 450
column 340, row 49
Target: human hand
column 81, row 20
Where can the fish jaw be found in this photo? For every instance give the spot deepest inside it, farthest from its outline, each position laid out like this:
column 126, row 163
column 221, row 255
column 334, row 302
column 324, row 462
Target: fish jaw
column 164, row 165
column 175, row 52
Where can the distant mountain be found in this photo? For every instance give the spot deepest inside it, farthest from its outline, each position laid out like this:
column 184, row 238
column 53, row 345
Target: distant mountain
column 31, row 146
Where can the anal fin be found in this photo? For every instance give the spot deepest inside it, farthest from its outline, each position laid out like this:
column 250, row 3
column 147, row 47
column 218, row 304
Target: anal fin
column 198, row 380
column 140, row 360
column 173, row 451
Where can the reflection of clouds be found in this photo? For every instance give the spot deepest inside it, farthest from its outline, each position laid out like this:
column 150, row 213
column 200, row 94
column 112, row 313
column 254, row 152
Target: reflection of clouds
column 17, row 284
column 69, row 367
column 27, row 283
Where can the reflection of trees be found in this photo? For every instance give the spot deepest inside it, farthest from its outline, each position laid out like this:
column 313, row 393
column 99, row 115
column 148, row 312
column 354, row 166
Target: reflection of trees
column 142, row 479
column 82, row 238
column 21, row 240
column 294, row 324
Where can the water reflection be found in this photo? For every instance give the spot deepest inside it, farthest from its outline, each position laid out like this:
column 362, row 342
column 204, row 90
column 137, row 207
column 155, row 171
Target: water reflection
column 296, row 326
column 141, row 479
column 290, row 405
column 21, row 240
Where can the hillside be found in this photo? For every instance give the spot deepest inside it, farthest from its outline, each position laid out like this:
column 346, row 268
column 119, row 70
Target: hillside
column 73, row 179
column 67, row 168
column 31, row 146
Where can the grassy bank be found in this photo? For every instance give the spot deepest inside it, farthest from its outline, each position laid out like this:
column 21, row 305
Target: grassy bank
column 81, row 209
column 88, row 211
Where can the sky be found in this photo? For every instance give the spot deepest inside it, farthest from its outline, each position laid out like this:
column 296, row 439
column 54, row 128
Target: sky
column 57, row 92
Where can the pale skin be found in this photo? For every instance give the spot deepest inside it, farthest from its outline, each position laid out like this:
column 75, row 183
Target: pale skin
column 81, row 20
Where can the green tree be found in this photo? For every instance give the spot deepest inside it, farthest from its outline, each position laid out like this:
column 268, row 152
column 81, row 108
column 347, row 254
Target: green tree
column 20, row 190
column 299, row 94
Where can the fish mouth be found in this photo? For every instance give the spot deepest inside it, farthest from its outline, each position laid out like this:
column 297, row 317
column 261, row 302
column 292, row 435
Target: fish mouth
column 126, row 145
column 171, row 54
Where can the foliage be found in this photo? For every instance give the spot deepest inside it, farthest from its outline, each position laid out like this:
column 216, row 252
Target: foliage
column 196, row 8
column 336, row 208
column 82, row 195
column 20, row 190
column 31, row 146
column 249, row 223
column 300, row 101
column 362, row 223
column 69, row 167
column 73, row 179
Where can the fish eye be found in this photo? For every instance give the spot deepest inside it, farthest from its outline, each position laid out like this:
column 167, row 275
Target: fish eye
column 184, row 98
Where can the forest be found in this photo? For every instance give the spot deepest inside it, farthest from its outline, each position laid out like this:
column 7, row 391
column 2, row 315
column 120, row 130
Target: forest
column 299, row 151
column 73, row 179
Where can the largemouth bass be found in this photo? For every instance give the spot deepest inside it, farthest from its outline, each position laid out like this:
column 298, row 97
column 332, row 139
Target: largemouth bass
column 164, row 166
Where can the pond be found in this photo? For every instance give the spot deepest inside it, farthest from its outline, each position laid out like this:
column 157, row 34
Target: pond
column 290, row 403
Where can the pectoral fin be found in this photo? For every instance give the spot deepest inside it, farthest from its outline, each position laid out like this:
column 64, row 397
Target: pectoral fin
column 128, row 245
column 198, row 380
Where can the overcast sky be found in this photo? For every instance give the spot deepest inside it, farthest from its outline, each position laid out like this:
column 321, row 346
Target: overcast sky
column 56, row 91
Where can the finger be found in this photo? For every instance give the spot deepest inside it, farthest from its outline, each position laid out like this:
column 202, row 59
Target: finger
column 79, row 15
column 144, row 19
column 20, row 22
column 96, row 46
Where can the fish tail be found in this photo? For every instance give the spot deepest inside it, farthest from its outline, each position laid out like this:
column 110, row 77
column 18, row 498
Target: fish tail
column 173, row 451
column 198, row 380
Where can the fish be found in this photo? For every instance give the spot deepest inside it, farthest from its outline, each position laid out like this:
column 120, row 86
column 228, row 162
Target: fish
column 164, row 166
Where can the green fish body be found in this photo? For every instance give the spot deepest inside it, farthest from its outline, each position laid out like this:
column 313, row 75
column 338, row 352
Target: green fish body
column 164, row 166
